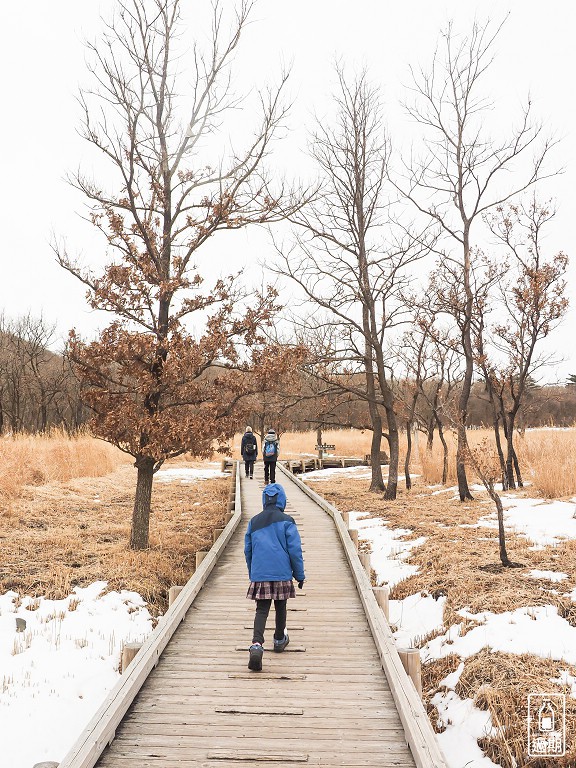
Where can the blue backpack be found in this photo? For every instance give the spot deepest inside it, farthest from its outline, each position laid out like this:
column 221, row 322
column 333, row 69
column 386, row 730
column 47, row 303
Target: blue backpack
column 270, row 450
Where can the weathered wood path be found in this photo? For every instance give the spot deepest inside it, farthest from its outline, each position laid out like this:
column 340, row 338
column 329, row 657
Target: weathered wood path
column 325, row 701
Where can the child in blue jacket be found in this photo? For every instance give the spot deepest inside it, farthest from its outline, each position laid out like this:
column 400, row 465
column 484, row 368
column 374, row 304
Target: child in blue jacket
column 274, row 556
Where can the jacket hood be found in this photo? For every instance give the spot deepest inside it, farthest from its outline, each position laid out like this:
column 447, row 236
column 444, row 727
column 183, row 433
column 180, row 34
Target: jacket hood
column 270, row 435
column 271, row 491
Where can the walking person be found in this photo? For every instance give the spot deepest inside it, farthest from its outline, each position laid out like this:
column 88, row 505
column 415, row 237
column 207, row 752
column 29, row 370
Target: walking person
column 270, row 451
column 249, row 450
column 273, row 553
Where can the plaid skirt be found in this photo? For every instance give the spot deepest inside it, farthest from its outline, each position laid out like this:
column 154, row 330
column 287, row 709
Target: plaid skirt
column 271, row 590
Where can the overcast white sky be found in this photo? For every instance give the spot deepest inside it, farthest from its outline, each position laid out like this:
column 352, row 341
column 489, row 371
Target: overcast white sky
column 42, row 63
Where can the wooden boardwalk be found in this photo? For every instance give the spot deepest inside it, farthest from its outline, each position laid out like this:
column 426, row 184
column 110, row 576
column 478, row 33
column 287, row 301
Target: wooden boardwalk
column 325, row 701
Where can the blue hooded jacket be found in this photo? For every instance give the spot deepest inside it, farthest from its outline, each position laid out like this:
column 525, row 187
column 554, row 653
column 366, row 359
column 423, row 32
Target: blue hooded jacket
column 272, row 543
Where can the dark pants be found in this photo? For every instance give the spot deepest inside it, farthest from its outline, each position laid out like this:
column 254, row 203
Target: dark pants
column 262, row 611
column 270, row 471
column 249, row 466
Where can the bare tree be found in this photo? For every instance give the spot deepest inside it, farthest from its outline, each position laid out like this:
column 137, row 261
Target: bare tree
column 465, row 172
column 346, row 267
column 156, row 388
column 535, row 301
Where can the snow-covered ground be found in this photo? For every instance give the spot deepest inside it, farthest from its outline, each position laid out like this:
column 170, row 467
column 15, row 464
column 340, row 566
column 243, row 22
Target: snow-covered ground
column 358, row 473
column 537, row 630
column 187, row 474
column 57, row 671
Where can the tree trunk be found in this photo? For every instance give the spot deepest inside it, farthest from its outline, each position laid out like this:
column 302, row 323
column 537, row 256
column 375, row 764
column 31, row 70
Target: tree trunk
column 504, row 559
column 376, row 481
column 394, row 443
column 462, row 449
column 445, row 452
column 430, row 436
column 496, row 425
column 510, row 452
column 517, row 468
column 408, row 455
column 409, row 423
column 461, row 452
column 141, row 514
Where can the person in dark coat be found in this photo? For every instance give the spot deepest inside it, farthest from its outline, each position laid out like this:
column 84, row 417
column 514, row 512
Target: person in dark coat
column 249, row 450
column 273, row 552
column 270, row 451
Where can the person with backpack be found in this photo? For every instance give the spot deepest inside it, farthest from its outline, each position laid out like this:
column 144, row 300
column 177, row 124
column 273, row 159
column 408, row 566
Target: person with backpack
column 273, row 552
column 270, row 451
column 249, row 449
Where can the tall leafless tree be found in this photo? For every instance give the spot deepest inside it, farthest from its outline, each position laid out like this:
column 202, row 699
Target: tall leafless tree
column 346, row 266
column 464, row 171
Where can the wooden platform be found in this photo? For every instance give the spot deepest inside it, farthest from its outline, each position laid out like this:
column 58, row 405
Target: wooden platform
column 324, row 701
column 188, row 699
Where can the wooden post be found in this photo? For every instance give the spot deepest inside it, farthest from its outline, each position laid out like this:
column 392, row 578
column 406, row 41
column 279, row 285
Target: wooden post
column 346, row 518
column 129, row 650
column 365, row 560
column 303, row 465
column 354, row 536
column 410, row 658
column 173, row 593
column 231, row 505
column 223, row 465
column 382, row 595
column 199, row 557
column 216, row 533
column 227, row 517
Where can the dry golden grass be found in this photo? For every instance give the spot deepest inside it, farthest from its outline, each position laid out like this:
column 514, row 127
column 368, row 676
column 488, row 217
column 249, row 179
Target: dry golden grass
column 63, row 534
column 462, row 565
column 38, row 459
column 547, row 457
column 548, row 460
column 348, row 442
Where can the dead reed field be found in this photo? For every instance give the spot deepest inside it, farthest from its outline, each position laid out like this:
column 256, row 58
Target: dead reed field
column 38, row 459
column 57, row 533
column 547, row 456
column 462, row 565
column 547, row 459
column 348, row 442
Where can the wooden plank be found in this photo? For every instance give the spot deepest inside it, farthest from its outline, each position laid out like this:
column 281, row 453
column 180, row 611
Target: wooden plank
column 280, row 757
column 290, row 649
column 271, row 627
column 264, row 676
column 239, row 710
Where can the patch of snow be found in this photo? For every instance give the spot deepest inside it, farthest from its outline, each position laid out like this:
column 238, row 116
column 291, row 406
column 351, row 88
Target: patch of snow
column 327, row 474
column 389, row 548
column 451, row 680
column 360, row 472
column 543, row 522
column 187, row 474
column 538, row 630
column 61, row 667
column 414, row 617
column 465, row 724
column 550, row 575
column 567, row 680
